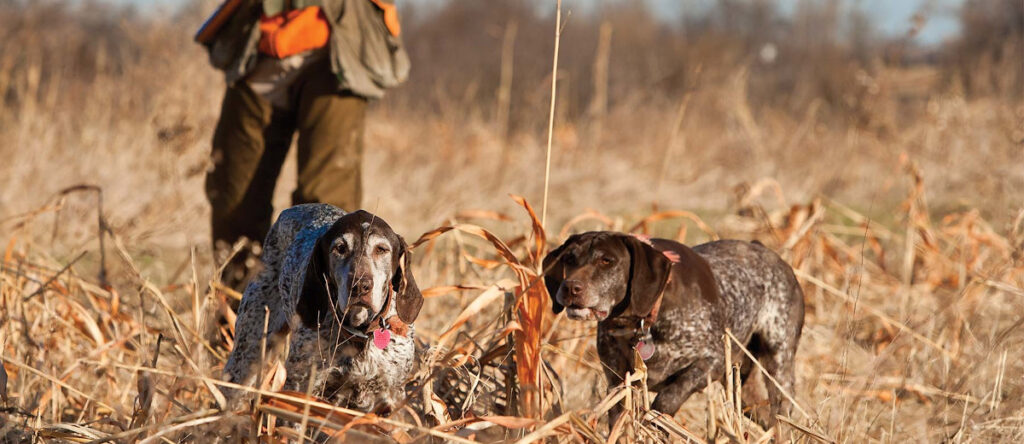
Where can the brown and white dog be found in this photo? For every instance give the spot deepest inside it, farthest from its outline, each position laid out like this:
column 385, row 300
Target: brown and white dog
column 673, row 304
column 339, row 284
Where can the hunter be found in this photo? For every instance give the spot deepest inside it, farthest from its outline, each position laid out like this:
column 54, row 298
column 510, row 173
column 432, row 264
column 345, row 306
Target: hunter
column 305, row 66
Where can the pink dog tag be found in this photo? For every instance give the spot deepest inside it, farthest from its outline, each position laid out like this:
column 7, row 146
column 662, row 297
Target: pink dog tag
column 646, row 350
column 381, row 338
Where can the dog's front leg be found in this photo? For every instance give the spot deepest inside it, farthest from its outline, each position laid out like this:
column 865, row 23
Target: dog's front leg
column 678, row 387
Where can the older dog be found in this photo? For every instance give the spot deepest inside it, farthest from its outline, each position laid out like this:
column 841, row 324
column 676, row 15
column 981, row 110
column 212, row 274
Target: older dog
column 673, row 305
column 339, row 285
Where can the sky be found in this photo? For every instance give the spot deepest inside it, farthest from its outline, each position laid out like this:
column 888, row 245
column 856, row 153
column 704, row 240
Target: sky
column 892, row 17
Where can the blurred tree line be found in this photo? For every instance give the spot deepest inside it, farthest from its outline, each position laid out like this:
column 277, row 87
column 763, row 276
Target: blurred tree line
column 493, row 58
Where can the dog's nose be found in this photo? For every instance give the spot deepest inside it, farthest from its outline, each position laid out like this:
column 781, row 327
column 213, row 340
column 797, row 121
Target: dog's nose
column 575, row 287
column 362, row 285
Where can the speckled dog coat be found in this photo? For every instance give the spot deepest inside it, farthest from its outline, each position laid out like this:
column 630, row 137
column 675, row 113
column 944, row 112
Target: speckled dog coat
column 307, row 305
column 687, row 298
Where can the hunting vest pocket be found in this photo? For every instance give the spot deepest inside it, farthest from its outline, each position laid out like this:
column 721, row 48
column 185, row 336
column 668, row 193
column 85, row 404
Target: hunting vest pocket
column 294, row 32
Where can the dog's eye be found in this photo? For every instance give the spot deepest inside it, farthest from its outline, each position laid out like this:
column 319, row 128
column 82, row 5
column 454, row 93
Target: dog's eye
column 604, row 261
column 341, row 248
column 381, row 249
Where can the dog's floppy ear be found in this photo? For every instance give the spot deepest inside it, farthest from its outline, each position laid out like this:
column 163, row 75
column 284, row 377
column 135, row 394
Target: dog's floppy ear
column 315, row 301
column 648, row 274
column 554, row 274
column 408, row 299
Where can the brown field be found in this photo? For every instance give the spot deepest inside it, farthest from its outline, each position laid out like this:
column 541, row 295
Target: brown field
column 890, row 176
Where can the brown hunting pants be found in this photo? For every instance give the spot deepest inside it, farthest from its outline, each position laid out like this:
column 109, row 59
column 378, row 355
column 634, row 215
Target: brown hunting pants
column 253, row 137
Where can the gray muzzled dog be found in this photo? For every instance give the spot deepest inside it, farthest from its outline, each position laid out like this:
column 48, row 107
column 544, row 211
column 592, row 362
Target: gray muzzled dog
column 340, row 286
column 673, row 304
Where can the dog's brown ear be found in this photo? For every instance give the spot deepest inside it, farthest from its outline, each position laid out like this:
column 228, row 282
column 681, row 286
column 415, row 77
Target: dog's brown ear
column 648, row 274
column 315, row 301
column 408, row 299
column 554, row 274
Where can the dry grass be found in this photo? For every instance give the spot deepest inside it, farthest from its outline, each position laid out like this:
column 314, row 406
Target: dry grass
column 895, row 193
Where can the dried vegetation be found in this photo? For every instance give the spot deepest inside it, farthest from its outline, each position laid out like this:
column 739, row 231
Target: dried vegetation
column 889, row 176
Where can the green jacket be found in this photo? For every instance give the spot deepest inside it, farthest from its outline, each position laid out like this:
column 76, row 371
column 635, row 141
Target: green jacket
column 365, row 56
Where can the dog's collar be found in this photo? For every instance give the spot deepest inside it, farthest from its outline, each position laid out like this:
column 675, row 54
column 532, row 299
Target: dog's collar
column 378, row 318
column 646, row 321
column 638, row 333
column 638, row 328
column 395, row 324
column 381, row 328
